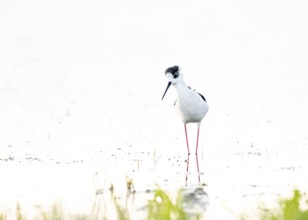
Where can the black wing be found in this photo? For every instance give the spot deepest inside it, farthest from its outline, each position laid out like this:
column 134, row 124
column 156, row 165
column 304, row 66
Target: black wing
column 198, row 93
column 202, row 97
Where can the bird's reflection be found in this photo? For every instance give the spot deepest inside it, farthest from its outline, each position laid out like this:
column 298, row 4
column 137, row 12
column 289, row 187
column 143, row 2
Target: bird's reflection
column 197, row 162
column 195, row 200
column 187, row 169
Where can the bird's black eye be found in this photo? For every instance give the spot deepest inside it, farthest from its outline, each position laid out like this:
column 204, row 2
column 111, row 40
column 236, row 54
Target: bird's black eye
column 176, row 75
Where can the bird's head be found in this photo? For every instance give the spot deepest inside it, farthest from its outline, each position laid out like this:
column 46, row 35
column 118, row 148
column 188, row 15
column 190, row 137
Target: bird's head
column 173, row 75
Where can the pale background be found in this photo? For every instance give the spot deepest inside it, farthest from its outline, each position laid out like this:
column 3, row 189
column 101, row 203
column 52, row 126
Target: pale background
column 81, row 85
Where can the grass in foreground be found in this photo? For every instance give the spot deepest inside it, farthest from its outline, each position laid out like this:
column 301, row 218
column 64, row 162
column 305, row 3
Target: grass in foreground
column 289, row 209
column 55, row 213
column 161, row 206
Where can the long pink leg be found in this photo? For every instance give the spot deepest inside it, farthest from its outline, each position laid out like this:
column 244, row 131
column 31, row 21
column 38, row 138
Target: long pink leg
column 186, row 139
column 197, row 140
column 197, row 152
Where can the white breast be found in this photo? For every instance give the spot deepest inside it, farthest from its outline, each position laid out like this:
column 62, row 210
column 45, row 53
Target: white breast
column 191, row 106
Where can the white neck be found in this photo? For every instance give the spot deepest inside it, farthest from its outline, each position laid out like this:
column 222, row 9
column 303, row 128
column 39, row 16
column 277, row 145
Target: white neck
column 180, row 86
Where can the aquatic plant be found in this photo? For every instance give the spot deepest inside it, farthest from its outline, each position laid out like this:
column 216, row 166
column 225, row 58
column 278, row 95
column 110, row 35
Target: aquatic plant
column 289, row 209
column 162, row 207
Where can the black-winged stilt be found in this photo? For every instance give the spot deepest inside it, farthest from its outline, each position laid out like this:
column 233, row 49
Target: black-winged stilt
column 191, row 105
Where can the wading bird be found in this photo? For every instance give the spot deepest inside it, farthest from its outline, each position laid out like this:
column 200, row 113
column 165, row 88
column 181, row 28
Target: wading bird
column 191, row 105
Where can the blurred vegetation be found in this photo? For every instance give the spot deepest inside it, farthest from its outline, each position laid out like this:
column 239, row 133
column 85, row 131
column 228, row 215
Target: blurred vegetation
column 289, row 209
column 162, row 206
column 294, row 208
column 55, row 213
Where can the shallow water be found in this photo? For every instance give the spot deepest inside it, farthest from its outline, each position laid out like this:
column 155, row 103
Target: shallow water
column 80, row 90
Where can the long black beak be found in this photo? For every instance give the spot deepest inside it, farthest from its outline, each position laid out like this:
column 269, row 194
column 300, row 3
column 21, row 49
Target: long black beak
column 169, row 84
